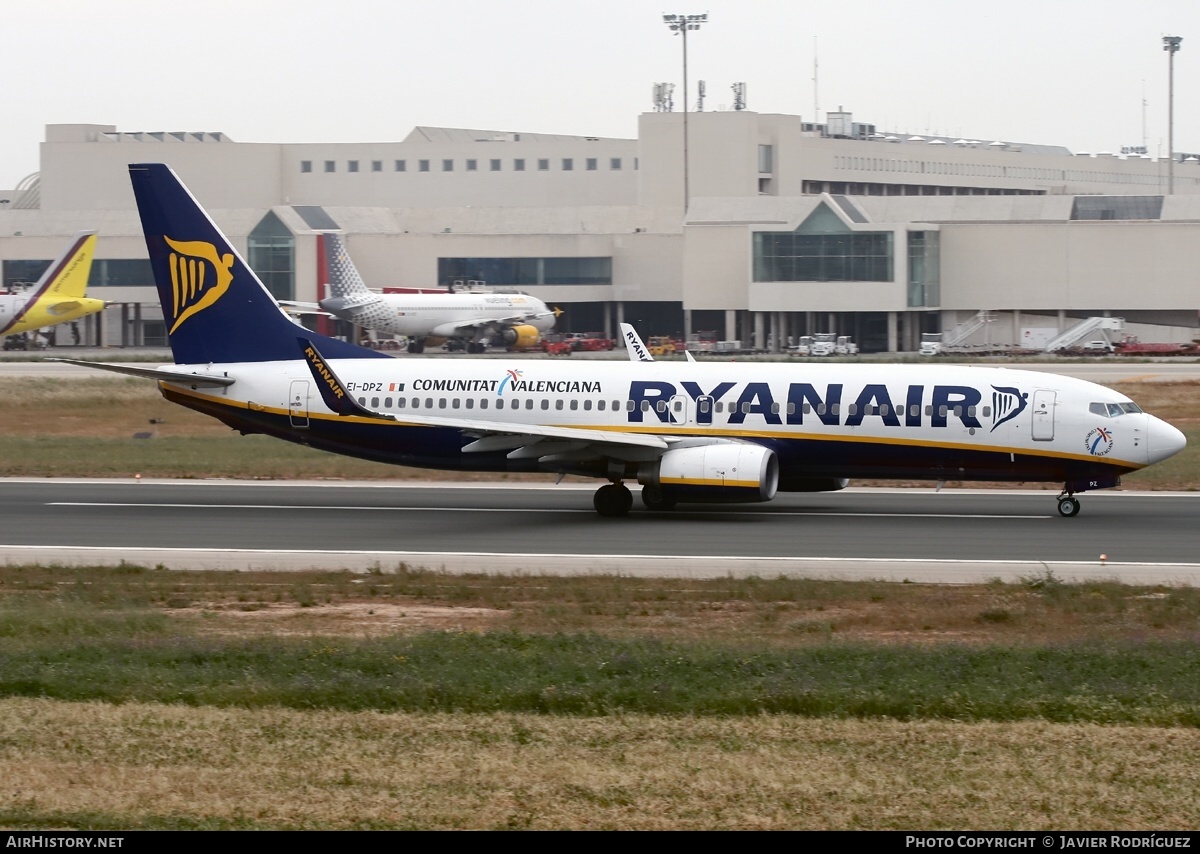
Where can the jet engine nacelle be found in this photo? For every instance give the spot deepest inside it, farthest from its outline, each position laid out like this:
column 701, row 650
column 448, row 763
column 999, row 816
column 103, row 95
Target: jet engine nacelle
column 520, row 337
column 729, row 472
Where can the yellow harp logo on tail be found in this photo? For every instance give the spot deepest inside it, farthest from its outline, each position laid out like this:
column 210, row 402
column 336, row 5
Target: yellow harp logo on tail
column 199, row 277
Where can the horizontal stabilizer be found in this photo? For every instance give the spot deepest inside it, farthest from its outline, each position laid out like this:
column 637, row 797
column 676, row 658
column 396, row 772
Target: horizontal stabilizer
column 196, row 380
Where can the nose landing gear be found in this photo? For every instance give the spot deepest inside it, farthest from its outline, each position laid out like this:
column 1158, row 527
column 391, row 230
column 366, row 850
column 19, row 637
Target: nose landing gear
column 1068, row 505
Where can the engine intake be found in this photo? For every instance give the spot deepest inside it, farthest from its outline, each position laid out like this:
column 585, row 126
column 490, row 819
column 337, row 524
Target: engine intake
column 520, row 337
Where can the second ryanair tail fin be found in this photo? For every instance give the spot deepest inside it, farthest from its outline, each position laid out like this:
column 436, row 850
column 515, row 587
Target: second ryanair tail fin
column 215, row 307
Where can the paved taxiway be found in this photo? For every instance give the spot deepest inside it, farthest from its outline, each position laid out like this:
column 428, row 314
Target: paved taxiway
column 917, row 534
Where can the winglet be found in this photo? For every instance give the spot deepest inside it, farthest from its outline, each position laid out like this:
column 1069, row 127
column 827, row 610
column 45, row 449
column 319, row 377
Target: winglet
column 335, row 394
column 633, row 343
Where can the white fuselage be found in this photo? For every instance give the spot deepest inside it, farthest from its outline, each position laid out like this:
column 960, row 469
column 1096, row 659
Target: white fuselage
column 451, row 315
column 861, row 420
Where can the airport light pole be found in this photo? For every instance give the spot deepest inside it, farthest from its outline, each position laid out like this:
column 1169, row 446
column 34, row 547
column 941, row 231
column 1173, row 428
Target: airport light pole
column 680, row 24
column 1171, row 46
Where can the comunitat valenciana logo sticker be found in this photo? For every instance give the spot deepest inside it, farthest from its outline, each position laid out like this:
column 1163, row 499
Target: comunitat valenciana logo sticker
column 1099, row 441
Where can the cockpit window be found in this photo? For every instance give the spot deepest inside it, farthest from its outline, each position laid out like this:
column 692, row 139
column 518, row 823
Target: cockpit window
column 1113, row 410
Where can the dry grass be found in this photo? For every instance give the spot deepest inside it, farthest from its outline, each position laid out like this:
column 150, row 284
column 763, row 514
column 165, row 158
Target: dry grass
column 776, row 612
column 143, row 765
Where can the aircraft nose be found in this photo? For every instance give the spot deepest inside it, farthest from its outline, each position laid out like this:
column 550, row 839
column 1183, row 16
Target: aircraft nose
column 1165, row 440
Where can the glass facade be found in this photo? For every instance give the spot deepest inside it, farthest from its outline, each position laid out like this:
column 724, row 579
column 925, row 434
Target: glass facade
column 766, row 159
column 1116, row 207
column 501, row 272
column 272, row 255
column 123, row 272
column 924, row 269
column 21, row 273
column 114, row 272
column 823, row 249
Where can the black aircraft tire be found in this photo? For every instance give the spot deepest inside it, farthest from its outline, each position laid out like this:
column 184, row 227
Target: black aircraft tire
column 613, row 499
column 1068, row 506
column 653, row 498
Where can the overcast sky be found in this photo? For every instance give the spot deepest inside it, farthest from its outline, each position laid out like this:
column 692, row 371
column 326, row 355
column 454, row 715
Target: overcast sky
column 1066, row 72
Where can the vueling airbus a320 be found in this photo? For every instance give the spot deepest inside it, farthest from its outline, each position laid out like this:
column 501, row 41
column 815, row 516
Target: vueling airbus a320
column 687, row 432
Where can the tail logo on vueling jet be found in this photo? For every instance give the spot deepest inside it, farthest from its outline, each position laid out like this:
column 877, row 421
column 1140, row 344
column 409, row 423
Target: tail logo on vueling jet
column 199, row 277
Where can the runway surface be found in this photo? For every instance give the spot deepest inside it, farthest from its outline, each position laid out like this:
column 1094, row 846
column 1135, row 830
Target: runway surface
column 955, row 536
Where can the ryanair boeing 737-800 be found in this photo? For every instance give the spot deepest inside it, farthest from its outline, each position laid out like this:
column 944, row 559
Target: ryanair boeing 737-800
column 686, row 431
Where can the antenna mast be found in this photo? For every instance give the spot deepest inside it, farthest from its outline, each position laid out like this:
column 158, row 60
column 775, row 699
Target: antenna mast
column 816, row 91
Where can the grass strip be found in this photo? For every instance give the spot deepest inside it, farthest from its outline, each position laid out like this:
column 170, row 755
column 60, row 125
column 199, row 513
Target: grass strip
column 583, row 674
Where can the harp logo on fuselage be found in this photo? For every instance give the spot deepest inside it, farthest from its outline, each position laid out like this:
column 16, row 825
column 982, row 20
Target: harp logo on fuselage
column 199, row 277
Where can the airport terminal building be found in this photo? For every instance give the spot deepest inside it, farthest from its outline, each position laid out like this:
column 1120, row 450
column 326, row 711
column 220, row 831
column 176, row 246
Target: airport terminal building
column 770, row 228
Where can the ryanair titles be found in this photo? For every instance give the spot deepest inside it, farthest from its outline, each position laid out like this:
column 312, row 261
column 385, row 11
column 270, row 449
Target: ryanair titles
column 513, row 385
column 913, row 406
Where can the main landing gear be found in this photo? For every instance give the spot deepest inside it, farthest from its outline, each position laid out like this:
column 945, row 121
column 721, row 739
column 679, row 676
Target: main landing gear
column 1068, row 505
column 653, row 498
column 613, row 499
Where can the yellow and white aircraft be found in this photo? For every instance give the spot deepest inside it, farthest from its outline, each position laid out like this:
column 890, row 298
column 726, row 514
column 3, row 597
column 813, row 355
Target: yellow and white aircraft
column 58, row 296
column 710, row 432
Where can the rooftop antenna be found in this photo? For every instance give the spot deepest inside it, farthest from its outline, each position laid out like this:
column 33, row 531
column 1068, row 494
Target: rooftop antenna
column 816, row 91
column 700, row 100
column 663, row 96
column 1144, row 146
column 739, row 96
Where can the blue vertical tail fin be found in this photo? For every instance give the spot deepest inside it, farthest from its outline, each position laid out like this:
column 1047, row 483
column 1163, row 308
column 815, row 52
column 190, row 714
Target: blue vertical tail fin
column 215, row 308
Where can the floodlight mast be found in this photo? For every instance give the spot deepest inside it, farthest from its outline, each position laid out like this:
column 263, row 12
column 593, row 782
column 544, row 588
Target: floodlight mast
column 1171, row 46
column 680, row 24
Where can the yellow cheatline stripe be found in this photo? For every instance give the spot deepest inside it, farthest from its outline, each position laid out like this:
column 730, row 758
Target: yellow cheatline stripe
column 719, row 433
column 710, row 481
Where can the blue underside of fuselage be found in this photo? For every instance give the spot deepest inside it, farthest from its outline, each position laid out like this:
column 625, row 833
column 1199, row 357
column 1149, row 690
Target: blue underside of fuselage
column 441, row 448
